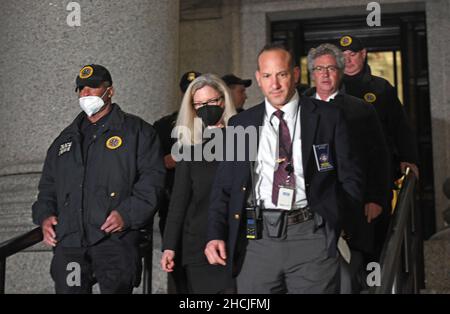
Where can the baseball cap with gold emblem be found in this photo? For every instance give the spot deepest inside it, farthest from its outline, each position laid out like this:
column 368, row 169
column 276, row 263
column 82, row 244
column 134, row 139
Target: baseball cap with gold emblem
column 352, row 43
column 187, row 78
column 92, row 75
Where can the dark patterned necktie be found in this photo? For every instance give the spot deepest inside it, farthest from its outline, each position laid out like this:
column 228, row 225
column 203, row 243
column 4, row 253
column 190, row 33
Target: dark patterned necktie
column 284, row 166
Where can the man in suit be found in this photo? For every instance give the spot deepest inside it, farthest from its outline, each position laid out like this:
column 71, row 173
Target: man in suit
column 326, row 65
column 309, row 180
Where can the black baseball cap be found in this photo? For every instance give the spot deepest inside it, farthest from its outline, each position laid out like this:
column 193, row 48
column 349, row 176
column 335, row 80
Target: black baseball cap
column 352, row 43
column 187, row 78
column 92, row 75
column 231, row 79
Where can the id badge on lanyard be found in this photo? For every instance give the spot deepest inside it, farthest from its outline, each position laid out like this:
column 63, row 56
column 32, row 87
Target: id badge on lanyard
column 285, row 197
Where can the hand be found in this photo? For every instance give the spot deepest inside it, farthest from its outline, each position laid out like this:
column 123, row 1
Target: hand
column 48, row 232
column 169, row 163
column 414, row 169
column 167, row 261
column 372, row 211
column 114, row 223
column 215, row 252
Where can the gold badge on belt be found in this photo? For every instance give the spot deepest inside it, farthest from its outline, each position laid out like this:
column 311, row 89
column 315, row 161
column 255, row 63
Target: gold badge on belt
column 114, row 142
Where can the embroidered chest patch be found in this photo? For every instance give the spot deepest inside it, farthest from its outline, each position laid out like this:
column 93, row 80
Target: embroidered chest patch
column 114, row 142
column 370, row 97
column 64, row 148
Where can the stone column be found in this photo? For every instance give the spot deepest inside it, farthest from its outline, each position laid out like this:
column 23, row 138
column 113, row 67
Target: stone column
column 254, row 35
column 438, row 24
column 137, row 40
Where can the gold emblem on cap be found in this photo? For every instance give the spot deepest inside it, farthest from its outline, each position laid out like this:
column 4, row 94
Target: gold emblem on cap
column 86, row 72
column 346, row 41
column 114, row 142
column 370, row 97
column 191, row 76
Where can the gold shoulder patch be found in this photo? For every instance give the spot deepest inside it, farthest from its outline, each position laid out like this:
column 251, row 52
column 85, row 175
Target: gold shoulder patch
column 346, row 41
column 86, row 72
column 114, row 142
column 370, row 97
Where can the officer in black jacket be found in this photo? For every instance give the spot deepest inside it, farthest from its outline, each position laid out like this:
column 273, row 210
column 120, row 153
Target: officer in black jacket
column 326, row 65
column 359, row 82
column 100, row 184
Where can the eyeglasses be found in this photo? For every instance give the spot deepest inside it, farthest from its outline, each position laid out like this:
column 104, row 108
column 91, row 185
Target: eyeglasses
column 328, row 68
column 211, row 102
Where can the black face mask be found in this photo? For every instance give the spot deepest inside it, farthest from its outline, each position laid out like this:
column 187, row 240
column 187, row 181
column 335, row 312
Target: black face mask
column 210, row 115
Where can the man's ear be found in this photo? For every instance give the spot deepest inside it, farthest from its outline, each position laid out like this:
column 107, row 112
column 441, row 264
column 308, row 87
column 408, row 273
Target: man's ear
column 297, row 74
column 258, row 77
column 364, row 53
column 111, row 92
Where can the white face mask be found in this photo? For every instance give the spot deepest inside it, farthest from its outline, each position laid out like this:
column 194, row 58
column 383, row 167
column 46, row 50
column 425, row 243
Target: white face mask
column 92, row 104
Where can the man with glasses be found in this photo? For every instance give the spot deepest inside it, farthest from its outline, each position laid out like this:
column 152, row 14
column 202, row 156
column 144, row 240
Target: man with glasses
column 326, row 66
column 359, row 82
column 100, row 185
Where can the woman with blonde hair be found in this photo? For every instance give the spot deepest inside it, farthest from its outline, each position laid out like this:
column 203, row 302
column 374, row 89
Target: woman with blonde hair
column 208, row 99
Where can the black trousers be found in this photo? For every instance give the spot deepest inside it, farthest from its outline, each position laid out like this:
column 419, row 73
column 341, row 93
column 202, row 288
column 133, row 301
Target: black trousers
column 114, row 263
column 177, row 280
column 208, row 279
column 353, row 275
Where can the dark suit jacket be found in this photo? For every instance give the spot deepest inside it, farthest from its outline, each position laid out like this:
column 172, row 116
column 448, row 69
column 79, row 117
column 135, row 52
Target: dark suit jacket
column 188, row 211
column 327, row 192
column 368, row 139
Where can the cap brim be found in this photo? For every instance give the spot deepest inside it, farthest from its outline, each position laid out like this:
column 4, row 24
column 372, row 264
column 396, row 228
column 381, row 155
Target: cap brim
column 247, row 83
column 93, row 84
column 351, row 49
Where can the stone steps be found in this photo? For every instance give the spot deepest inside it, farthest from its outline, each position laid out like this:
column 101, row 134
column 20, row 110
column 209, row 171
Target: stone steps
column 437, row 263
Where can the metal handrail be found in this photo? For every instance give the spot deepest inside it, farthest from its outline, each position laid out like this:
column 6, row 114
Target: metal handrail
column 13, row 246
column 398, row 265
column 26, row 240
column 20, row 243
